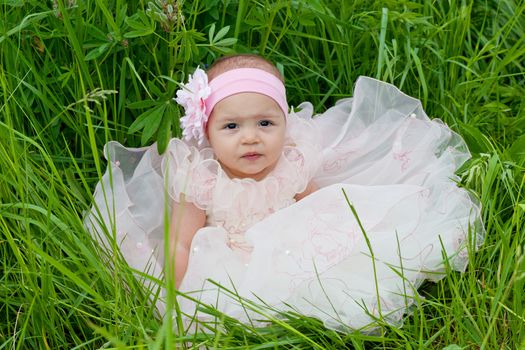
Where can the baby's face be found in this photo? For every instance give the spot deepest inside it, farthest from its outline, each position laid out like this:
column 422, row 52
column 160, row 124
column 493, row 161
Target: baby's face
column 247, row 132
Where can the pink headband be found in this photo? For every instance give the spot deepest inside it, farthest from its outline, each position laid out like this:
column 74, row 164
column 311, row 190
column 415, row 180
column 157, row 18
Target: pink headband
column 246, row 80
column 199, row 98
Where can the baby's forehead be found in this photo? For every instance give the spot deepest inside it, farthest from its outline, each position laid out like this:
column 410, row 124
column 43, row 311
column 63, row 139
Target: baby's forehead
column 245, row 105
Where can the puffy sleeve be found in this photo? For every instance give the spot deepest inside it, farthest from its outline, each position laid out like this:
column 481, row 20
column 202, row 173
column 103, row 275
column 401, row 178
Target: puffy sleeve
column 190, row 171
column 141, row 175
column 303, row 146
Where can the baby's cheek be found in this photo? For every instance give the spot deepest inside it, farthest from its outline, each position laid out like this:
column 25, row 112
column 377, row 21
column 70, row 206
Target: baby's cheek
column 279, row 144
column 277, row 150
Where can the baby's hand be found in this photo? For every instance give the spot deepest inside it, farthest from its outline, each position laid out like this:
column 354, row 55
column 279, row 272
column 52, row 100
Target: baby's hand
column 310, row 188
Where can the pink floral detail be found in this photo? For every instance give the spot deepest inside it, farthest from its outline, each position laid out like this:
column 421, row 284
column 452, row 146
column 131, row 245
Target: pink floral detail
column 403, row 158
column 332, row 246
column 192, row 96
column 424, row 193
column 336, row 159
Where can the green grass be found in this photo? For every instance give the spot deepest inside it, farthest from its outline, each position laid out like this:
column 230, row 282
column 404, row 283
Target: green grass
column 76, row 74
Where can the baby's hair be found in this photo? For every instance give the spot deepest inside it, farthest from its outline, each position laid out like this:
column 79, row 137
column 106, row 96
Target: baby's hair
column 227, row 63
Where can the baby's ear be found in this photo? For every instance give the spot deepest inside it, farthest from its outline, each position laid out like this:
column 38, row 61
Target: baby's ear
column 206, row 130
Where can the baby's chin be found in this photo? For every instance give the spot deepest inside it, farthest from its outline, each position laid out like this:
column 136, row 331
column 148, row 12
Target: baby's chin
column 254, row 174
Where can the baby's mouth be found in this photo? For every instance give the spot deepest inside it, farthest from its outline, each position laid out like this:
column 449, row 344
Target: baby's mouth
column 251, row 156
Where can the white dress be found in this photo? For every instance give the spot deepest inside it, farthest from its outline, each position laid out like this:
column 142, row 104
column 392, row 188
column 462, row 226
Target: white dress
column 378, row 151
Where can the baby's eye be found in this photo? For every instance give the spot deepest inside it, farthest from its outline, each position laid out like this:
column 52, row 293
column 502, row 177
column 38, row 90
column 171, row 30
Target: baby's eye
column 265, row 123
column 230, row 126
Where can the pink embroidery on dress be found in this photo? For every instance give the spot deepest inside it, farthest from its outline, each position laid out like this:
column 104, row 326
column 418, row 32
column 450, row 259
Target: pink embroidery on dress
column 424, row 193
column 295, row 156
column 340, row 159
column 332, row 245
column 325, row 245
column 403, row 158
column 202, row 186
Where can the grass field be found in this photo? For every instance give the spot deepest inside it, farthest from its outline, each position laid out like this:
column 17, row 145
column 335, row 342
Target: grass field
column 75, row 74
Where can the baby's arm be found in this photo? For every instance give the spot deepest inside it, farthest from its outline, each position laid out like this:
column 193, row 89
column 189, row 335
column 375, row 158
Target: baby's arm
column 310, row 188
column 186, row 220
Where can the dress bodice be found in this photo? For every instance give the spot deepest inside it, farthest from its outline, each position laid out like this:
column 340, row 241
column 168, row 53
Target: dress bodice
column 237, row 204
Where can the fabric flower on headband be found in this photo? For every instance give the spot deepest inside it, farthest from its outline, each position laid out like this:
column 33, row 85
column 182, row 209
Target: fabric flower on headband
column 192, row 96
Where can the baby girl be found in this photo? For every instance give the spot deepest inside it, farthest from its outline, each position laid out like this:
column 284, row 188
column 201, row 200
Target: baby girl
column 339, row 217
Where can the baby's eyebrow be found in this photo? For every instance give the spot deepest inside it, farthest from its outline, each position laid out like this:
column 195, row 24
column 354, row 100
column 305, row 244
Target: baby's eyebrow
column 224, row 115
column 270, row 114
column 234, row 117
column 229, row 119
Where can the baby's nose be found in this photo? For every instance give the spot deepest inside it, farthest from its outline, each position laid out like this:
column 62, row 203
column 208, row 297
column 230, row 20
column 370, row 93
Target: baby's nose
column 250, row 135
